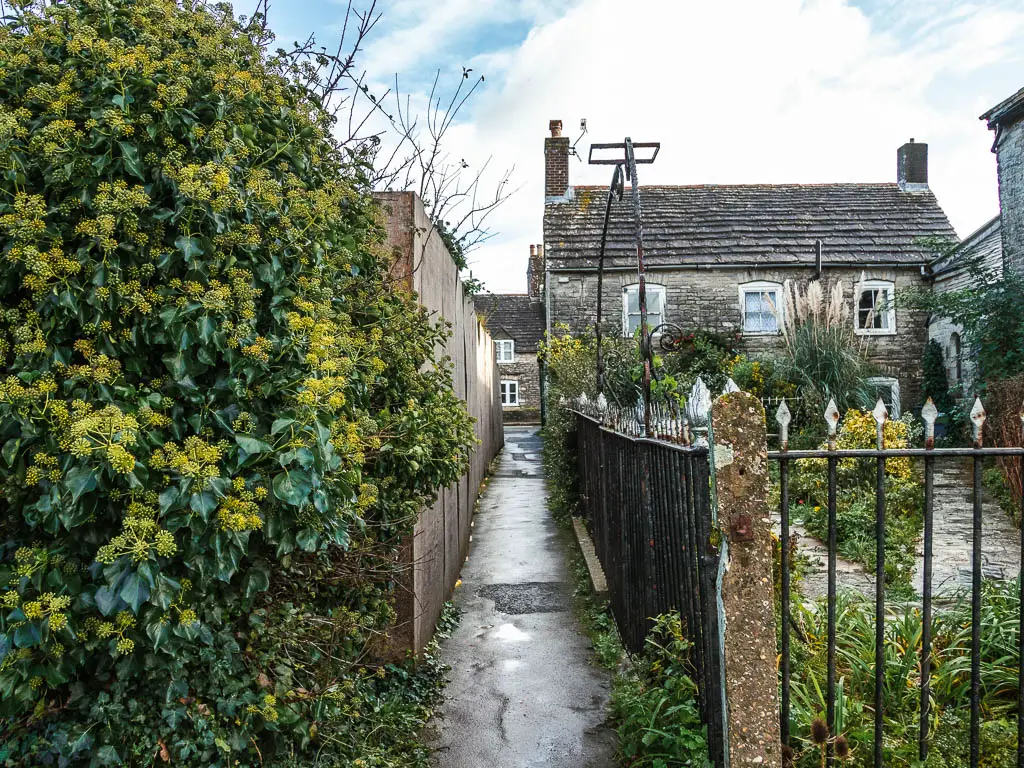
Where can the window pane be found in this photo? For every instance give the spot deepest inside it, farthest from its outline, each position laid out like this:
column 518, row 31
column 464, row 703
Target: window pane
column 759, row 312
column 632, row 323
column 633, row 300
column 653, row 301
column 866, row 316
column 882, row 308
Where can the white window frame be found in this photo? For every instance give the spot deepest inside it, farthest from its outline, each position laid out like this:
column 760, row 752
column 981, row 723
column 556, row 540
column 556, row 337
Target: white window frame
column 652, row 288
column 761, row 286
column 894, row 393
column 509, row 393
column 505, row 350
column 890, row 310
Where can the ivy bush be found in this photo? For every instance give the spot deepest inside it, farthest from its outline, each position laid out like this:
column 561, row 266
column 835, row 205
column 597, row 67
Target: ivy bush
column 217, row 417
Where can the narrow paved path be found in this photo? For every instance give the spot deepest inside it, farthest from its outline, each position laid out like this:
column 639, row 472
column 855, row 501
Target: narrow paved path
column 953, row 533
column 849, row 574
column 523, row 690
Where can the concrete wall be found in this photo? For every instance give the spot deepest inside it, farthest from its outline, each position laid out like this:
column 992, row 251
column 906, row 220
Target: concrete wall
column 1011, row 193
column 708, row 299
column 435, row 552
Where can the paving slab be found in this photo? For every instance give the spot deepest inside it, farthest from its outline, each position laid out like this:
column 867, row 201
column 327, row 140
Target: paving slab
column 524, row 691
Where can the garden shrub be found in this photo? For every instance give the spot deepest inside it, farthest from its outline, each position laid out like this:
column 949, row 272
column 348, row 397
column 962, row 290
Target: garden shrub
column 823, row 356
column 1003, row 401
column 934, row 383
column 705, row 355
column 217, row 419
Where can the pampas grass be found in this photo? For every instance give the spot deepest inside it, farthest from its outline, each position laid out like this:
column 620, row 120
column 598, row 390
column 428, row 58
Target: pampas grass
column 824, row 356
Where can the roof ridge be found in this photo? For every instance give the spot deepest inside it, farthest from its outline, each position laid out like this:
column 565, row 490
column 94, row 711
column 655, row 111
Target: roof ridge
column 756, row 185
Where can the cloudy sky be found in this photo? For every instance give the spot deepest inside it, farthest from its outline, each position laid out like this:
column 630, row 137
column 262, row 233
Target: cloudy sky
column 737, row 91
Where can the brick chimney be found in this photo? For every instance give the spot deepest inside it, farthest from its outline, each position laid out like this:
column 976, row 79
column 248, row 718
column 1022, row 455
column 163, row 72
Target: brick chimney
column 556, row 163
column 912, row 167
column 535, row 272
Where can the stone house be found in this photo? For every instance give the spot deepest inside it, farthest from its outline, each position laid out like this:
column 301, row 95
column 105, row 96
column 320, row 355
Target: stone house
column 1006, row 119
column 516, row 322
column 718, row 256
column 995, row 248
column 982, row 250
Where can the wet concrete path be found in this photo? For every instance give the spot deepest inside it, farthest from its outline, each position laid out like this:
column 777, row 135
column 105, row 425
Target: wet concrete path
column 523, row 690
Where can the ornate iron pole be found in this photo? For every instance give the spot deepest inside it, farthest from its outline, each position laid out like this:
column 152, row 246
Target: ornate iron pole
column 646, row 351
column 614, row 194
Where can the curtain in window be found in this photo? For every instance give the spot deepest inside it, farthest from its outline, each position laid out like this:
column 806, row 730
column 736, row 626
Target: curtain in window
column 872, row 309
column 759, row 308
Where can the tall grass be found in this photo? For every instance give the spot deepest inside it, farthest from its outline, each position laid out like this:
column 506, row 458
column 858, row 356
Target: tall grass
column 824, row 357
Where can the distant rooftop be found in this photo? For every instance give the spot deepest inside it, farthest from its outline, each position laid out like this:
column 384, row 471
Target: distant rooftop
column 512, row 316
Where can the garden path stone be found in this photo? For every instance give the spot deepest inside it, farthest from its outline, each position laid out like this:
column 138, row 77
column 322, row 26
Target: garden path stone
column 953, row 534
column 523, row 690
column 814, row 585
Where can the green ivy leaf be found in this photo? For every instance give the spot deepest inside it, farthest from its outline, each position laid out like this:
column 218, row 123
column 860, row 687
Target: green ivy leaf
column 159, row 632
column 10, row 450
column 132, row 162
column 27, row 635
column 293, row 487
column 80, row 480
column 190, row 247
column 107, row 600
column 251, row 445
column 256, row 581
column 108, row 756
column 308, row 540
column 134, row 591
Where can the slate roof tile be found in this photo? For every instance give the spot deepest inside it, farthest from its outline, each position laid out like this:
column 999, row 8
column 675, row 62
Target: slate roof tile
column 750, row 223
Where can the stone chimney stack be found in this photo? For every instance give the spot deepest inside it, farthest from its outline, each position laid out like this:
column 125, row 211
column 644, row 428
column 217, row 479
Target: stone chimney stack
column 912, row 167
column 535, row 272
column 556, row 163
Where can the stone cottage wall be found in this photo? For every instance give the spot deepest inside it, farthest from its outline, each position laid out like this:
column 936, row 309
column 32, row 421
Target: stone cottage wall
column 709, row 300
column 526, row 371
column 1011, row 193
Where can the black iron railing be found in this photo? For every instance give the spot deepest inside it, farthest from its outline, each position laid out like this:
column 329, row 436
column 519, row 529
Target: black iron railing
column 879, row 455
column 647, row 502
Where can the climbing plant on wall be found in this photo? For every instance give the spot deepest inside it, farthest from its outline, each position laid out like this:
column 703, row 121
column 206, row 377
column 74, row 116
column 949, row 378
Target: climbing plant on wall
column 216, row 414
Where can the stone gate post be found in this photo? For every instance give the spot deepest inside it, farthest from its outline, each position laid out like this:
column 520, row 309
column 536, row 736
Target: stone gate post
column 740, row 468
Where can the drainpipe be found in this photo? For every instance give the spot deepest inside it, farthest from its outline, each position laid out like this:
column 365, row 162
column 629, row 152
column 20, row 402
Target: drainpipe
column 547, row 328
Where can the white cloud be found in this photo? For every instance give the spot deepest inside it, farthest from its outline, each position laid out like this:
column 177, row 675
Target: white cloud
column 749, row 91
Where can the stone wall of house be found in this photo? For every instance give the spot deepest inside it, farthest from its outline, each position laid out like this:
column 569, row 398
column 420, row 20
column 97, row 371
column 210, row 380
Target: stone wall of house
column 986, row 248
column 710, row 300
column 1011, row 193
column 526, row 371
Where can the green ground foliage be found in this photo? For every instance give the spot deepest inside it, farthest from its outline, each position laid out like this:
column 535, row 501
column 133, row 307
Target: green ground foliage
column 855, row 498
column 216, row 416
column 950, row 680
column 654, row 703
